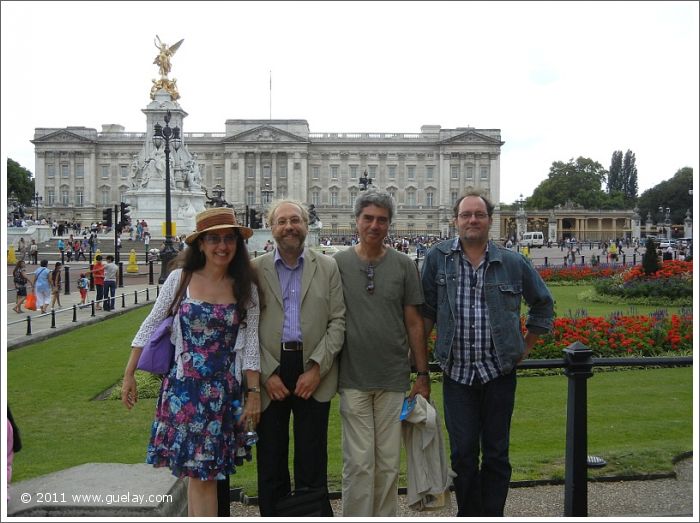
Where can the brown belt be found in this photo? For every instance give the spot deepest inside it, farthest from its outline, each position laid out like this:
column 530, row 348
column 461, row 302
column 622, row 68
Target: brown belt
column 292, row 345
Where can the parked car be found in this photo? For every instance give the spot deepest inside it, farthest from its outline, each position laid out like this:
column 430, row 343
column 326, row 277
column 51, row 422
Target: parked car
column 664, row 244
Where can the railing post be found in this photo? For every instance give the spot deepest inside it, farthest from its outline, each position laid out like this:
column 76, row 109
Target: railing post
column 123, row 300
column 150, row 271
column 546, row 261
column 92, row 305
column 66, row 280
column 75, row 313
column 92, row 278
column 29, row 325
column 148, row 294
column 53, row 318
column 624, row 258
column 583, row 260
column 136, row 297
column 578, row 367
column 634, row 259
column 121, row 274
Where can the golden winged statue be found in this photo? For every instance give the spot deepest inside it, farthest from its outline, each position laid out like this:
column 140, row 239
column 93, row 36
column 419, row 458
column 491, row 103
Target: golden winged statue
column 164, row 53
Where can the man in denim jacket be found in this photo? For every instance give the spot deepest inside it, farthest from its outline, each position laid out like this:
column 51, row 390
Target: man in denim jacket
column 473, row 289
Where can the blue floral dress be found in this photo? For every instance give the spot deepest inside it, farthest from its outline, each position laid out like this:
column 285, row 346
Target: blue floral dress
column 195, row 432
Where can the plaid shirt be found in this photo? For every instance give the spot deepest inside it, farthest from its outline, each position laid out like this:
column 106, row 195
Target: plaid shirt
column 474, row 357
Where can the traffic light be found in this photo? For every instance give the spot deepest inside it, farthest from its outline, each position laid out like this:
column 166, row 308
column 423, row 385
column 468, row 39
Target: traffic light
column 124, row 215
column 107, row 217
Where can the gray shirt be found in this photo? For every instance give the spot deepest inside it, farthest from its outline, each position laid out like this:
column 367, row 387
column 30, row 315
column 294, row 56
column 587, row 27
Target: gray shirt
column 376, row 351
column 111, row 271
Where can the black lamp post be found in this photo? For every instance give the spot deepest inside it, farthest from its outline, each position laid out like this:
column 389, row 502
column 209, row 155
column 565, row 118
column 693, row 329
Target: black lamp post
column 36, row 199
column 167, row 135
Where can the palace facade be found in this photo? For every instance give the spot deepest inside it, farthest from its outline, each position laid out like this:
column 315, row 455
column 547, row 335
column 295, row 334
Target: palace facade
column 80, row 171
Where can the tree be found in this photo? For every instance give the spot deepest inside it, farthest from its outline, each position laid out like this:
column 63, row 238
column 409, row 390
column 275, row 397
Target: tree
column 650, row 260
column 671, row 193
column 614, row 181
column 20, row 182
column 628, row 177
column 578, row 181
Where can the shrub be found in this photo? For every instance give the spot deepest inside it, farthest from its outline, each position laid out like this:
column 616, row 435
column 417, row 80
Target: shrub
column 650, row 260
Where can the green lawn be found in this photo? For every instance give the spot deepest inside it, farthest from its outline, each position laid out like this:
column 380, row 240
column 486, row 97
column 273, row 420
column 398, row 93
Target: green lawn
column 638, row 420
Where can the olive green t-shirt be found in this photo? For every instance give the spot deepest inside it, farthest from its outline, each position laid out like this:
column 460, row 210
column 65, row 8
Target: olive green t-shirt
column 376, row 351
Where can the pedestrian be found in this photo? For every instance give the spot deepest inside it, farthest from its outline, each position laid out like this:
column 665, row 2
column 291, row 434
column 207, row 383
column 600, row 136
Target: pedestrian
column 34, row 252
column 22, row 249
column 55, row 280
column 473, row 290
column 301, row 334
column 98, row 278
column 19, row 275
column 61, row 247
column 42, row 286
column 110, row 283
column 83, row 284
column 215, row 331
column 382, row 295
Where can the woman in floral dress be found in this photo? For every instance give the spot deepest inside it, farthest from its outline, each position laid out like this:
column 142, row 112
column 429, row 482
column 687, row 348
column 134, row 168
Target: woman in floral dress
column 198, row 428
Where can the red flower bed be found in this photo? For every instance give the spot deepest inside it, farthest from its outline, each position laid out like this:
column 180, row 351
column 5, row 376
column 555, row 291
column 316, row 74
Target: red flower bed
column 618, row 335
column 576, row 273
column 669, row 269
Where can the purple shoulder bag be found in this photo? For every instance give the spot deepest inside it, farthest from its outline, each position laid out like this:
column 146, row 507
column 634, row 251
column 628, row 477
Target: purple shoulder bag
column 158, row 354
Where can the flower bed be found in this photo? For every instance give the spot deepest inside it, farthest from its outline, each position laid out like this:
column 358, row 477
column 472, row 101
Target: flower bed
column 579, row 273
column 674, row 280
column 618, row 335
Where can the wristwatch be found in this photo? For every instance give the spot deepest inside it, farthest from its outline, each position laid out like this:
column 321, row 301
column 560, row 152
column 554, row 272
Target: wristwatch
column 253, row 389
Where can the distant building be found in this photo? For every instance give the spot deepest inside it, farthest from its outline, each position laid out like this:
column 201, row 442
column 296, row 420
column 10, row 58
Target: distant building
column 80, row 171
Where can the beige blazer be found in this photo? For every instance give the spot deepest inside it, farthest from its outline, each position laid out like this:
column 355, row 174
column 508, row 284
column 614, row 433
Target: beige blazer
column 322, row 320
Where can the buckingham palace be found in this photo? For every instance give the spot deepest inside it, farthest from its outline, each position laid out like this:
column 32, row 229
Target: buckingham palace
column 80, row 171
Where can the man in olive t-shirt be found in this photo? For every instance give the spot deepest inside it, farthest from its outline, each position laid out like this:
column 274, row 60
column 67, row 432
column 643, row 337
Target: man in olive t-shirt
column 382, row 294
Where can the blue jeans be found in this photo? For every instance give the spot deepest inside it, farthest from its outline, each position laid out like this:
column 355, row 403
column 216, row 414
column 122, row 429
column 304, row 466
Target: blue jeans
column 478, row 422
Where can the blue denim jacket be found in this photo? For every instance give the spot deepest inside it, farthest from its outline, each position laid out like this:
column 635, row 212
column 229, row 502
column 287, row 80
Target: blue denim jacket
column 509, row 279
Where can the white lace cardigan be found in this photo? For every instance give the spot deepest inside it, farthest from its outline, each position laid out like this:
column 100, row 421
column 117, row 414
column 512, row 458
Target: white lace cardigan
column 247, row 348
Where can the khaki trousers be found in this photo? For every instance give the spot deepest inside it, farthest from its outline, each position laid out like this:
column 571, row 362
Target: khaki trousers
column 371, row 451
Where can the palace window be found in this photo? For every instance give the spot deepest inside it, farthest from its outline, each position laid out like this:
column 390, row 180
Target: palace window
column 315, row 172
column 484, row 172
column 334, row 198
column 50, row 170
column 50, row 197
column 79, row 170
column 64, row 170
column 470, row 172
column 411, row 198
column 411, row 170
column 429, row 198
column 454, row 171
column 104, row 171
column 334, row 172
column 392, row 172
column 64, row 197
column 429, row 172
column 315, row 198
column 79, row 198
column 123, row 171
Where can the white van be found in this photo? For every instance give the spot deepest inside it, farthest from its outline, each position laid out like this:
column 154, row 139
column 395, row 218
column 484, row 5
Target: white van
column 533, row 239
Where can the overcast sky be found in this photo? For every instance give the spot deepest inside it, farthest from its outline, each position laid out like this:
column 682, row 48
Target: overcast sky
column 560, row 80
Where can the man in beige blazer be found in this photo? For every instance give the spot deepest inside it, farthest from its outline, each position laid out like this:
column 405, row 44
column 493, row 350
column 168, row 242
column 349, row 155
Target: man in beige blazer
column 302, row 328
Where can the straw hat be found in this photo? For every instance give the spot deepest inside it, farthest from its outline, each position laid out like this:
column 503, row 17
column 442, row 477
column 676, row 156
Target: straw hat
column 217, row 218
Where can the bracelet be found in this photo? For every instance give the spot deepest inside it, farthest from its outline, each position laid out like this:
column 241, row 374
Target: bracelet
column 253, row 389
column 422, row 373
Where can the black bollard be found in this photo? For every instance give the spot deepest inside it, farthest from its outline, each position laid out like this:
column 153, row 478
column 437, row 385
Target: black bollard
column 123, row 300
column 75, row 313
column 624, row 260
column 29, row 325
column 634, row 259
column 66, row 280
column 63, row 258
column 583, row 260
column 53, row 318
column 92, row 305
column 136, row 297
column 579, row 364
column 546, row 261
column 121, row 274
column 148, row 294
column 150, row 272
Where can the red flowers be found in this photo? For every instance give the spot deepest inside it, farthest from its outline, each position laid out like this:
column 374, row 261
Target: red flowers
column 669, row 269
column 577, row 273
column 619, row 335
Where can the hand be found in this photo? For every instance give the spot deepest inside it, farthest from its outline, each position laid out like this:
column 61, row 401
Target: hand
column 129, row 393
column 421, row 386
column 275, row 388
column 251, row 409
column 308, row 382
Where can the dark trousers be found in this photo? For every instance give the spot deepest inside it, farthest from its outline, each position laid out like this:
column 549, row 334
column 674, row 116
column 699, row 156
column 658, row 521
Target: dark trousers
column 478, row 418
column 310, row 442
column 100, row 294
column 110, row 291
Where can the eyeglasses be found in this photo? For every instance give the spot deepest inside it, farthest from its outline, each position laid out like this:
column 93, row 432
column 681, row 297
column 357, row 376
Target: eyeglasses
column 295, row 220
column 370, row 278
column 215, row 239
column 477, row 215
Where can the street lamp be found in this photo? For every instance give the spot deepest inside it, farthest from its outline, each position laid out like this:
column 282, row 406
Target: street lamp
column 36, row 200
column 167, row 135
